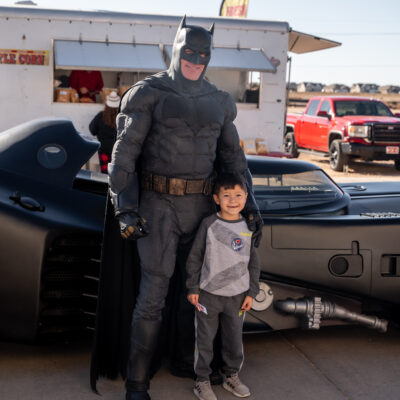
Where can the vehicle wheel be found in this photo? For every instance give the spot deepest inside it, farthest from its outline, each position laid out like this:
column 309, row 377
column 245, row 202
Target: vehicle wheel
column 397, row 164
column 337, row 159
column 290, row 145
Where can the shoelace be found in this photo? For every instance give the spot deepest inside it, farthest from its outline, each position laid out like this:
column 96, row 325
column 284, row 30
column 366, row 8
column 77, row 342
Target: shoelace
column 199, row 385
column 234, row 378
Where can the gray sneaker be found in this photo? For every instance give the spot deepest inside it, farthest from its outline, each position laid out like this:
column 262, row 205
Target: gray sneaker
column 203, row 391
column 232, row 383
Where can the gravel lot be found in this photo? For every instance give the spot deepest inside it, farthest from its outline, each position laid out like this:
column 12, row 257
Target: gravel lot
column 358, row 171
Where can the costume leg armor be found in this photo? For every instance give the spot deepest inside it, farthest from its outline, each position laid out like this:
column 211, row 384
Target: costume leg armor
column 182, row 331
column 169, row 221
column 144, row 336
column 157, row 254
column 146, row 325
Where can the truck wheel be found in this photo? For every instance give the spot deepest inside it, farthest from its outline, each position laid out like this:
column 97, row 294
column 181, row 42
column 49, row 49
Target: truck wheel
column 397, row 164
column 290, row 146
column 337, row 159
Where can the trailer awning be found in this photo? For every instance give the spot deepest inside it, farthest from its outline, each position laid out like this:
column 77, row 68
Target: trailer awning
column 236, row 59
column 103, row 56
column 304, row 43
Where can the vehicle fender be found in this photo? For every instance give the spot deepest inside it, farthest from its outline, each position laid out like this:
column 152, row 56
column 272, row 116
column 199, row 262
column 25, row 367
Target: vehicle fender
column 334, row 135
column 289, row 128
column 22, row 251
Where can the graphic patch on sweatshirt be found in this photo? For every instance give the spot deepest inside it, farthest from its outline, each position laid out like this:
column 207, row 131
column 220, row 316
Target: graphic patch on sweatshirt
column 237, row 244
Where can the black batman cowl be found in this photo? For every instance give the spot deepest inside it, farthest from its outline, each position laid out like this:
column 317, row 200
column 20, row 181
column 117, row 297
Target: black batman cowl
column 199, row 41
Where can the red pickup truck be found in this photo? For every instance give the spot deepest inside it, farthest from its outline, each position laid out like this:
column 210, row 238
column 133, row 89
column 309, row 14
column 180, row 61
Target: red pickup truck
column 344, row 127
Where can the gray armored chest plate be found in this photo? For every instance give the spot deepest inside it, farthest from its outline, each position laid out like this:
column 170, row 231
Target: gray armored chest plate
column 182, row 141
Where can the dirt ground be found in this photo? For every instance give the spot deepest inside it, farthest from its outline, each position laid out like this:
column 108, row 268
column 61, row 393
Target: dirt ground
column 357, row 171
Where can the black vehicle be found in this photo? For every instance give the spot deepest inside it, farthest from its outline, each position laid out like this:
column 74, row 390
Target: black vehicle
column 328, row 255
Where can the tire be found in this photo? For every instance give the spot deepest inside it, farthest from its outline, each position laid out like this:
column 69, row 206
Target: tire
column 397, row 164
column 337, row 159
column 289, row 145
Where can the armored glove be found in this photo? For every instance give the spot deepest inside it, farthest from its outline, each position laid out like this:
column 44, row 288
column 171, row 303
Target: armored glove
column 124, row 195
column 251, row 211
column 132, row 226
column 255, row 224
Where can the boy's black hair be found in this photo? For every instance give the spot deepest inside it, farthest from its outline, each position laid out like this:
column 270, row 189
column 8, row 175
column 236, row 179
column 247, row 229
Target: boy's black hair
column 229, row 181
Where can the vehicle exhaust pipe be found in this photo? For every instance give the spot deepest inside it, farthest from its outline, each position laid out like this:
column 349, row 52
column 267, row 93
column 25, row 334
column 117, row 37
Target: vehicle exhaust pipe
column 314, row 309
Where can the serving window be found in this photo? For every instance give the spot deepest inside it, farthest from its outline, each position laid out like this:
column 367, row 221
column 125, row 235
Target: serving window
column 123, row 64
column 120, row 65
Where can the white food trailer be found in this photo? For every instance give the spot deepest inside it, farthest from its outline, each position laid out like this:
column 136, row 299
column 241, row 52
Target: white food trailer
column 39, row 47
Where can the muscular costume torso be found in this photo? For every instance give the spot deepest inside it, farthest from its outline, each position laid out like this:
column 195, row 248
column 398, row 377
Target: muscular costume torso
column 177, row 134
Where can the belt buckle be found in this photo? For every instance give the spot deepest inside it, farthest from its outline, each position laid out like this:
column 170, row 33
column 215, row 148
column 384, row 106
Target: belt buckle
column 177, row 186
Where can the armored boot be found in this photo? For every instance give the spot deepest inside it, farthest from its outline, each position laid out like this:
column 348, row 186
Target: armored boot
column 144, row 337
column 137, row 395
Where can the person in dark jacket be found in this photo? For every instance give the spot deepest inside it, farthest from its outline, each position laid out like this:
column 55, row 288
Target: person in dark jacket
column 103, row 127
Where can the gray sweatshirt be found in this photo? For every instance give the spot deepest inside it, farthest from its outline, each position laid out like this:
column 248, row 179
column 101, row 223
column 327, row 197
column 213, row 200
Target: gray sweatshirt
column 223, row 260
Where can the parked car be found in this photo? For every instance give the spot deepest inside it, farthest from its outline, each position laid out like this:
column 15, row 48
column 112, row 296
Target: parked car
column 344, row 127
column 329, row 254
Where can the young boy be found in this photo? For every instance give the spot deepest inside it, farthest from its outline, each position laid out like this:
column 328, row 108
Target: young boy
column 222, row 280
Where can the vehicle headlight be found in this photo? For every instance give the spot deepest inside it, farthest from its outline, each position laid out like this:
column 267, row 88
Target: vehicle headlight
column 358, row 131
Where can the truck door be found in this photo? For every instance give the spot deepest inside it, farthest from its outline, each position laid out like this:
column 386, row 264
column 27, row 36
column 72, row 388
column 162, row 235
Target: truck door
column 309, row 121
column 322, row 127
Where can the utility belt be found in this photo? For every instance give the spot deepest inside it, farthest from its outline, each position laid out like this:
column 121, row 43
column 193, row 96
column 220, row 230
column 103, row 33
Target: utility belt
column 175, row 186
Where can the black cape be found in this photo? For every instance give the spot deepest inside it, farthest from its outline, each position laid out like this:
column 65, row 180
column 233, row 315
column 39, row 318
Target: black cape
column 118, row 289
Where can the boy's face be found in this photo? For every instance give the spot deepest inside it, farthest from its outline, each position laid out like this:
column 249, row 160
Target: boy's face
column 231, row 201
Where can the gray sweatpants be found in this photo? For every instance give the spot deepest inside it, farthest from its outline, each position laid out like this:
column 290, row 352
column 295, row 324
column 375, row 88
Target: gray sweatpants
column 224, row 312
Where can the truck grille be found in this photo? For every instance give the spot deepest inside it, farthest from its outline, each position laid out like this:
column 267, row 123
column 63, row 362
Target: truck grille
column 69, row 286
column 386, row 133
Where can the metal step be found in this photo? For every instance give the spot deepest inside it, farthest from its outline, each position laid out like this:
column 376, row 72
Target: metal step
column 313, row 152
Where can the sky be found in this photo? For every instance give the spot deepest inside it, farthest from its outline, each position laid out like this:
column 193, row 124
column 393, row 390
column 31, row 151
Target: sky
column 369, row 32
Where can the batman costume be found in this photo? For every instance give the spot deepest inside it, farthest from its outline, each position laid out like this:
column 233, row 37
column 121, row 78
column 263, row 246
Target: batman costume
column 175, row 132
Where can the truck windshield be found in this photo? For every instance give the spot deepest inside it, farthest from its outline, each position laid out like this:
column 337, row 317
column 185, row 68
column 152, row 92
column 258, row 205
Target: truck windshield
column 295, row 190
column 360, row 107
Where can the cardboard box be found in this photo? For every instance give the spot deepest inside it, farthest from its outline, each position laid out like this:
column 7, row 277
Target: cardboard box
column 261, row 146
column 74, row 96
column 249, row 146
column 63, row 95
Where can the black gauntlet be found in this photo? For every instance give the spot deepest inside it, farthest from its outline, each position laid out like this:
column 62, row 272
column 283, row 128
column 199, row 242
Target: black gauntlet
column 132, row 226
column 251, row 211
column 124, row 193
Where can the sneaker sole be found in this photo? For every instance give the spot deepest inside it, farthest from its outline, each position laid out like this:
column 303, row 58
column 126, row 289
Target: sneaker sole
column 229, row 389
column 197, row 394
